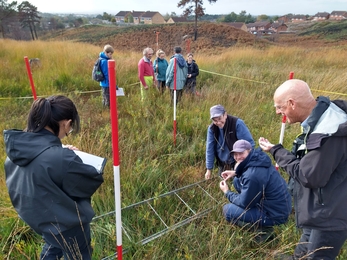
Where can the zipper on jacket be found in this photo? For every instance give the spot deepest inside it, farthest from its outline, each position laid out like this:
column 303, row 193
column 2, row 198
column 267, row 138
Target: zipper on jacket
column 320, row 196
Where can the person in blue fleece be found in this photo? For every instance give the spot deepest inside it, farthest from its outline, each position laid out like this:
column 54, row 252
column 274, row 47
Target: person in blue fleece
column 105, row 85
column 160, row 65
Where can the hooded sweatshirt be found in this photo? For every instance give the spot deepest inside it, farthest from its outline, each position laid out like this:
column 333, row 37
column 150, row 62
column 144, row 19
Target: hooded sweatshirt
column 49, row 186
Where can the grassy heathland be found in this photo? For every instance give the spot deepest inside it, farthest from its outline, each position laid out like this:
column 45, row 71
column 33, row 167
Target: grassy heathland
column 242, row 79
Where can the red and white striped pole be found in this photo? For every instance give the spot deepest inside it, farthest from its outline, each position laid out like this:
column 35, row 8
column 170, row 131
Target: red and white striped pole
column 115, row 149
column 30, row 77
column 284, row 119
column 174, row 101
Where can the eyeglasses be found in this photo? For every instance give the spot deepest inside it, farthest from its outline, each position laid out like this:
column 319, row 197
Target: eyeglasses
column 282, row 107
column 71, row 130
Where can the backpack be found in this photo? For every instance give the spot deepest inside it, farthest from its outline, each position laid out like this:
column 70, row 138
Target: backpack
column 97, row 73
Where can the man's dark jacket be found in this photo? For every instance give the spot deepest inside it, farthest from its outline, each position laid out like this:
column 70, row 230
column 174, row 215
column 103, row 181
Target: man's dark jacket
column 320, row 187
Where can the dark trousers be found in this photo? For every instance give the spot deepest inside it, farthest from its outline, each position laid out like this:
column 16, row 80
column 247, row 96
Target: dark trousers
column 178, row 95
column 190, row 86
column 72, row 244
column 322, row 245
column 161, row 86
column 106, row 96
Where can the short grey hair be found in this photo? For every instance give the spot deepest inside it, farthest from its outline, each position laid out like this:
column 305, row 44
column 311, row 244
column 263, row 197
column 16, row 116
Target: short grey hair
column 146, row 50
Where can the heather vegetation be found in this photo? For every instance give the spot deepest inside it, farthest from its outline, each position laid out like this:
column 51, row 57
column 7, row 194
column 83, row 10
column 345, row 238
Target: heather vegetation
column 243, row 79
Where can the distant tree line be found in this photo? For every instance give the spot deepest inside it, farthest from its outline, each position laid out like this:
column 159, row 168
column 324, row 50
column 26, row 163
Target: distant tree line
column 24, row 15
column 241, row 17
column 246, row 18
column 25, row 22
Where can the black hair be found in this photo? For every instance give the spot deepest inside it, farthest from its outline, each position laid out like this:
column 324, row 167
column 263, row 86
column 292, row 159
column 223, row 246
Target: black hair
column 177, row 49
column 49, row 111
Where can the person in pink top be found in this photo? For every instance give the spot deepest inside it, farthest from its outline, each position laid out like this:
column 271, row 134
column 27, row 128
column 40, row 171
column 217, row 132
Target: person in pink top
column 145, row 69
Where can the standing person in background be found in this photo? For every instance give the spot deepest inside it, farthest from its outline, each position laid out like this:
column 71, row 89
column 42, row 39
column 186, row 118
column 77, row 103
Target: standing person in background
column 105, row 85
column 193, row 72
column 318, row 165
column 181, row 73
column 145, row 69
column 160, row 65
column 224, row 131
column 49, row 185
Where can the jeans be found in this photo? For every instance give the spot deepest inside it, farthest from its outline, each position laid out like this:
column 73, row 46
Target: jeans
column 255, row 215
column 72, row 244
column 318, row 244
column 234, row 213
column 106, row 96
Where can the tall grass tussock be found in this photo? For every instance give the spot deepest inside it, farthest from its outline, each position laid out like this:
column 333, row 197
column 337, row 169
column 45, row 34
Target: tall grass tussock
column 242, row 79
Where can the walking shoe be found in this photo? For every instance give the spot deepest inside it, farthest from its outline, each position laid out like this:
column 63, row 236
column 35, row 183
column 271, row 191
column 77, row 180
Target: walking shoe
column 264, row 234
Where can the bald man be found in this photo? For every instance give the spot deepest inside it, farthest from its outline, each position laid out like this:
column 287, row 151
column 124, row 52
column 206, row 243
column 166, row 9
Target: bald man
column 318, row 165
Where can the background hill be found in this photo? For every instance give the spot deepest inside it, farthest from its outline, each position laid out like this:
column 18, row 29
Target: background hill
column 211, row 36
column 136, row 38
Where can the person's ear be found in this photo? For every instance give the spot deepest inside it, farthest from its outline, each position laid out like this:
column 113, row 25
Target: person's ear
column 291, row 103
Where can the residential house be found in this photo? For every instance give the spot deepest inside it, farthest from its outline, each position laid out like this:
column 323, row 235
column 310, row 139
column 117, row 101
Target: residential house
column 285, row 18
column 338, row 15
column 138, row 17
column 152, row 18
column 278, row 27
column 299, row 18
column 135, row 16
column 121, row 16
column 239, row 25
column 177, row 19
column 256, row 27
column 321, row 16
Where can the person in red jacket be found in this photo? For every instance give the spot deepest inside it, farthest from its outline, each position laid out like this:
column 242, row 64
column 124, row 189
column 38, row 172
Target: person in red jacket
column 145, row 69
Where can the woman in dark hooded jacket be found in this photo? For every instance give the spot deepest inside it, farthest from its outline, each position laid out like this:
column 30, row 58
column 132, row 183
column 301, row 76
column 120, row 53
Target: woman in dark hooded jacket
column 193, row 72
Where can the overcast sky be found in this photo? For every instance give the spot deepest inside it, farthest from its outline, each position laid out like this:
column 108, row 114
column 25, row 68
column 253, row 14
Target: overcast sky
column 254, row 7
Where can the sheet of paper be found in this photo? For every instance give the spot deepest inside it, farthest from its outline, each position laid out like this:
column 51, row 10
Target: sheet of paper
column 120, row 92
column 93, row 160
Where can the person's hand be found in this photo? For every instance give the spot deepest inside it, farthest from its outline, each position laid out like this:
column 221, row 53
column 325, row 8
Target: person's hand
column 71, row 147
column 145, row 87
column 228, row 174
column 189, row 75
column 208, row 175
column 265, row 145
column 223, row 186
